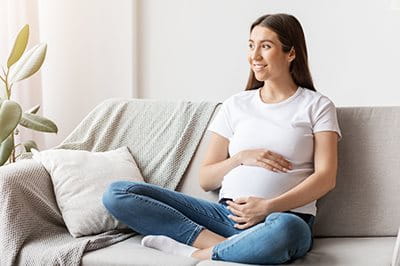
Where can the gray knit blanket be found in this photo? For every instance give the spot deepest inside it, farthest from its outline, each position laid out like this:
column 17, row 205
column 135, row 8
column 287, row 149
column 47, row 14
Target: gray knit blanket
column 162, row 137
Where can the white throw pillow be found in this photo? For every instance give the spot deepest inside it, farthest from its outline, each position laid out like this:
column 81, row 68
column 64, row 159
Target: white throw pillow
column 80, row 178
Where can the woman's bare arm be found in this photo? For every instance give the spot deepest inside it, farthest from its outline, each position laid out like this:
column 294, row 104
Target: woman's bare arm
column 216, row 163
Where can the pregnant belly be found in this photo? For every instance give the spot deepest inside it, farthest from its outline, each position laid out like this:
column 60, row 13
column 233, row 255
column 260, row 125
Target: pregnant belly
column 256, row 181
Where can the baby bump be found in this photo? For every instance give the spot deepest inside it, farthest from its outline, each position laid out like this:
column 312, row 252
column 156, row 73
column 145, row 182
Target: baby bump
column 260, row 182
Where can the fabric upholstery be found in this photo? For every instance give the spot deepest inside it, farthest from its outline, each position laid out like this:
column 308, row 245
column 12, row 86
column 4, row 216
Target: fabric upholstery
column 326, row 252
column 366, row 199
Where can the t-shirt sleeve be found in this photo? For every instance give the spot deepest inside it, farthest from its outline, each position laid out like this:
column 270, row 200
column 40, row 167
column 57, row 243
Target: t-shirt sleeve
column 221, row 124
column 325, row 117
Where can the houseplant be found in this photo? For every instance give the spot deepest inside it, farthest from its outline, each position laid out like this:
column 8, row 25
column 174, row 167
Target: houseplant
column 21, row 64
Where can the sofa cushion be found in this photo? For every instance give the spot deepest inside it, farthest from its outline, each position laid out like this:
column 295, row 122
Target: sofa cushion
column 396, row 251
column 365, row 200
column 190, row 180
column 340, row 252
column 80, row 179
column 326, row 251
column 131, row 252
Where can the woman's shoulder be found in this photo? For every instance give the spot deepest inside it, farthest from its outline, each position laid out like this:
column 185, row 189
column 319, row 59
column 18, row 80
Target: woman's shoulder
column 240, row 97
column 316, row 97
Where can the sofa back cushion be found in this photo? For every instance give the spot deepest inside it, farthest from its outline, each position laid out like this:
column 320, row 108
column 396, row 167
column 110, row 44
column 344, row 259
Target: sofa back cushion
column 365, row 201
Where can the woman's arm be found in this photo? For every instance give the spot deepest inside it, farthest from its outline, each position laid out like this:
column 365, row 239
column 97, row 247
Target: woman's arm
column 320, row 182
column 216, row 163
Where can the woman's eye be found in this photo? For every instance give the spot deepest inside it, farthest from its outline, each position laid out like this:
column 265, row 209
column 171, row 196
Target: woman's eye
column 251, row 46
column 266, row 46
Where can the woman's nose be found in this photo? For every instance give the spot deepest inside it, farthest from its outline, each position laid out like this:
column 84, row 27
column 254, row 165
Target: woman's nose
column 256, row 55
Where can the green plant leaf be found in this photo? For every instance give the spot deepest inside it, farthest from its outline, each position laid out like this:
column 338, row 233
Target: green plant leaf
column 19, row 46
column 38, row 123
column 6, row 147
column 28, row 145
column 10, row 115
column 29, row 64
column 34, row 109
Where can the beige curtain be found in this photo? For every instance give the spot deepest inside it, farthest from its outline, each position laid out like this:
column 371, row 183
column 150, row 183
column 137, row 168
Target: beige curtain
column 14, row 14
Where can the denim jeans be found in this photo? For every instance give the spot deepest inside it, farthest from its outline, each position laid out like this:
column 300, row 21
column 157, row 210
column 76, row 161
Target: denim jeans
column 152, row 210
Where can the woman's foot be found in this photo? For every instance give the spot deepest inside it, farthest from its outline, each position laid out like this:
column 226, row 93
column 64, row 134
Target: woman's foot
column 168, row 245
column 203, row 254
column 206, row 254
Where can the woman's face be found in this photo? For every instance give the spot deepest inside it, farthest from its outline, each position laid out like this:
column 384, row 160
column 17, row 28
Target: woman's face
column 266, row 58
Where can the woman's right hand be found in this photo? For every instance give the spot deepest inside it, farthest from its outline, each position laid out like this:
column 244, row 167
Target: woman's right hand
column 266, row 159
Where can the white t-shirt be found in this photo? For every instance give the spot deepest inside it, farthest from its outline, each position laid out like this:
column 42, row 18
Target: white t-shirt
column 285, row 127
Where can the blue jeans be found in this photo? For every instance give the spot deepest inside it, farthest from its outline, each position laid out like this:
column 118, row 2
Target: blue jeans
column 152, row 210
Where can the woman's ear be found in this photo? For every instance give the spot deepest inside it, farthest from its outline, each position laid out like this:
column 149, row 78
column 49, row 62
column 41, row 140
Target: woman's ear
column 292, row 54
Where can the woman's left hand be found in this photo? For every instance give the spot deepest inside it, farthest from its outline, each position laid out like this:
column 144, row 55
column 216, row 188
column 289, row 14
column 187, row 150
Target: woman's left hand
column 248, row 211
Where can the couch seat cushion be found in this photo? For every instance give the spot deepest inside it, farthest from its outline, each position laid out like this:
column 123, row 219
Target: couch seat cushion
column 366, row 251
column 371, row 251
column 130, row 253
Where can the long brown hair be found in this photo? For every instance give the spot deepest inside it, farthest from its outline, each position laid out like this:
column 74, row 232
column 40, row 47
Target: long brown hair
column 290, row 34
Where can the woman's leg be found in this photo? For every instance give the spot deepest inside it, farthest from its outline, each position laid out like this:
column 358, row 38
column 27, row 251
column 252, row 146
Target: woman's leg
column 282, row 237
column 152, row 210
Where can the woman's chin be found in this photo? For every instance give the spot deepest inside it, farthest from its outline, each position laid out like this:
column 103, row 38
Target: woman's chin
column 261, row 77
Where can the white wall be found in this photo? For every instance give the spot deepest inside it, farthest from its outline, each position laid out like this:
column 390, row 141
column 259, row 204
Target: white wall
column 196, row 50
column 90, row 57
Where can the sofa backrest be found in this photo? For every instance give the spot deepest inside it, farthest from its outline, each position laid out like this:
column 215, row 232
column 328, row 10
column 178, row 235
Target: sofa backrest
column 365, row 201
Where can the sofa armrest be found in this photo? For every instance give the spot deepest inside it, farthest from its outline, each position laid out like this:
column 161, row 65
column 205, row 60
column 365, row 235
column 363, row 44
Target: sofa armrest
column 396, row 251
column 24, row 180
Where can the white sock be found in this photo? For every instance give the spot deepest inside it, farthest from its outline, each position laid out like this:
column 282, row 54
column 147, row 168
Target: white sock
column 168, row 245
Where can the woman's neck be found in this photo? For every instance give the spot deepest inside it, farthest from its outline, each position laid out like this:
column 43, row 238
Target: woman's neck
column 276, row 91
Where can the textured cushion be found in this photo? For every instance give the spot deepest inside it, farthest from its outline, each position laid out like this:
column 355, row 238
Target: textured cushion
column 80, row 179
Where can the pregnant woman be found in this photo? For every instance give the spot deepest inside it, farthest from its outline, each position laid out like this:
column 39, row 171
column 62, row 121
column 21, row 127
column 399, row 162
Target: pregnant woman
column 272, row 153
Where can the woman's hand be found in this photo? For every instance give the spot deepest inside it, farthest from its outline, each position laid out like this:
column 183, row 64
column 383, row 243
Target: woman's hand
column 266, row 159
column 248, row 211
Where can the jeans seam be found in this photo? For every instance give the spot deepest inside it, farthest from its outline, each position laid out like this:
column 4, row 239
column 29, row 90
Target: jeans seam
column 184, row 205
column 194, row 235
column 201, row 213
column 165, row 207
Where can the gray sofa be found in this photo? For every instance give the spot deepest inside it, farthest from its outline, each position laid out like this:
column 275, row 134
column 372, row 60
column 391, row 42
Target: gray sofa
column 356, row 223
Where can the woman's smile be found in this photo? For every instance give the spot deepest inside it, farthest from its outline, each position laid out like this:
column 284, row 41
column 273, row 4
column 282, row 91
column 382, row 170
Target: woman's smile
column 259, row 67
